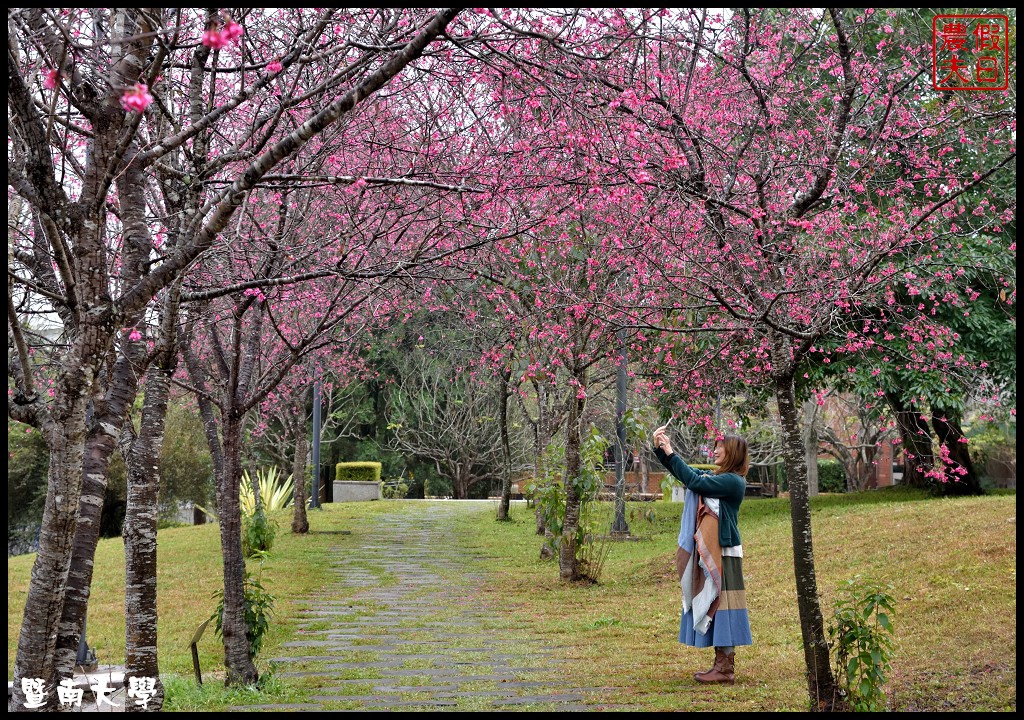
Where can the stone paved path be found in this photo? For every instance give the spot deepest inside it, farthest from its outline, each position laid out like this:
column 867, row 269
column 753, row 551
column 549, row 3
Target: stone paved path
column 403, row 627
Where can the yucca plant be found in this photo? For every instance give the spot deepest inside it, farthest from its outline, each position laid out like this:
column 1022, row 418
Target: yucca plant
column 275, row 495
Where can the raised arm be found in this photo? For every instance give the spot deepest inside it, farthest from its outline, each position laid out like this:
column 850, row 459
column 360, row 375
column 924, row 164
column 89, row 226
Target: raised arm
column 701, row 482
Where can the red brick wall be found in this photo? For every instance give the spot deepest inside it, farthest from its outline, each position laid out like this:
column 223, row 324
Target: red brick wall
column 634, row 482
column 883, row 466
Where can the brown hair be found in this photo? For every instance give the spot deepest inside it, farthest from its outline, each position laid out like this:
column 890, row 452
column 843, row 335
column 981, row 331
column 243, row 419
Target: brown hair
column 736, row 458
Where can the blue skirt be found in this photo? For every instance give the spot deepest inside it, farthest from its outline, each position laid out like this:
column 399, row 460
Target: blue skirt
column 731, row 624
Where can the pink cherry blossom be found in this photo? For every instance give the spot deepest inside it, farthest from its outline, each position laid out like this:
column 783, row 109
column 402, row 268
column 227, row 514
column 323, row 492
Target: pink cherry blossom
column 52, row 78
column 136, row 98
column 232, row 30
column 274, row 67
column 215, row 39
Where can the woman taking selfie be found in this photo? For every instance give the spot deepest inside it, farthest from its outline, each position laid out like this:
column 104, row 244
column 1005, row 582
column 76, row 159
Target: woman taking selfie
column 710, row 557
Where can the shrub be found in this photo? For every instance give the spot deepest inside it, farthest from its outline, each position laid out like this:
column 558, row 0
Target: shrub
column 831, row 476
column 258, row 605
column 549, row 496
column 860, row 635
column 351, row 471
column 394, row 489
column 590, row 482
column 258, row 533
column 993, row 449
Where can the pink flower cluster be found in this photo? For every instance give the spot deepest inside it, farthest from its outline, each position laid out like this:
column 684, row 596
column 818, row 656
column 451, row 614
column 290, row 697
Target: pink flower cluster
column 274, row 67
column 52, row 78
column 136, row 98
column 218, row 38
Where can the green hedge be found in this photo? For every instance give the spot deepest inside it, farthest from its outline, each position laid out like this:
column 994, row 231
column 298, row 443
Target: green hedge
column 349, row 471
column 831, row 476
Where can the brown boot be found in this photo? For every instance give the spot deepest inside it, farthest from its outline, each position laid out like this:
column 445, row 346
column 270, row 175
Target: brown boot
column 722, row 672
column 699, row 676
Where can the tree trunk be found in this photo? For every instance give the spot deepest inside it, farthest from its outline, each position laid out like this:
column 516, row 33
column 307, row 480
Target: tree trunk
column 65, row 440
column 947, row 428
column 821, row 685
column 460, row 481
column 540, row 441
column 864, row 468
column 142, row 514
column 916, row 439
column 568, row 563
column 645, row 472
column 239, row 664
column 110, row 412
column 300, row 523
column 105, row 425
column 859, row 471
column 506, row 473
column 142, row 461
column 37, row 640
column 810, row 441
column 226, row 455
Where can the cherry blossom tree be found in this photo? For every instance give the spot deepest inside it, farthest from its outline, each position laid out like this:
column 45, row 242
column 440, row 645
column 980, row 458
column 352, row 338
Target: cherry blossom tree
column 279, row 427
column 185, row 97
column 558, row 283
column 790, row 177
column 745, row 195
column 243, row 338
column 141, row 452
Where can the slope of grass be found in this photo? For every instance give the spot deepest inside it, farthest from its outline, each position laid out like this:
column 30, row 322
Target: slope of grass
column 951, row 564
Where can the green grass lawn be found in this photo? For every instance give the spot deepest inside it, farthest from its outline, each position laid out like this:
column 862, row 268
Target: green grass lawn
column 189, row 571
column 951, row 564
